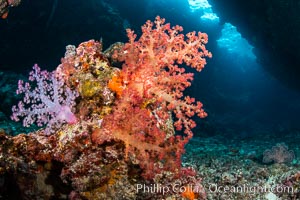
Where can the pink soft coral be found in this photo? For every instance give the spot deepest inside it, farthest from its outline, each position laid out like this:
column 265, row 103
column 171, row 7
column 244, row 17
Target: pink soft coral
column 153, row 86
column 151, row 68
column 49, row 103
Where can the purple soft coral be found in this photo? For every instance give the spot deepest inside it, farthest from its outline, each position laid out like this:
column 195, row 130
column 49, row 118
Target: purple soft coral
column 49, row 103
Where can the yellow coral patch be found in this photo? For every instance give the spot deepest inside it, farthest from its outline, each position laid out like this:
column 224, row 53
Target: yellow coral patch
column 89, row 88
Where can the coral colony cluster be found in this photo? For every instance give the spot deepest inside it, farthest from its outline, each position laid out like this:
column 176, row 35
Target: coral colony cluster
column 107, row 129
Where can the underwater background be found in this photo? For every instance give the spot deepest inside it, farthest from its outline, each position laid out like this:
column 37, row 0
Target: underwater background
column 247, row 147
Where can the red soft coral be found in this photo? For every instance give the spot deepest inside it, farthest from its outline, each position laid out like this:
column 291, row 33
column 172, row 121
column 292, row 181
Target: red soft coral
column 153, row 86
column 151, row 68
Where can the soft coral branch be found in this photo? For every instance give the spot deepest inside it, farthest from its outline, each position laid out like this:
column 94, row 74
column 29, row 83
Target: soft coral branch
column 153, row 85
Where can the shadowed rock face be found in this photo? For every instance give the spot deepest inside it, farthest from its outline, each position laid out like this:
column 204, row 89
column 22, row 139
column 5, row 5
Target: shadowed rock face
column 273, row 28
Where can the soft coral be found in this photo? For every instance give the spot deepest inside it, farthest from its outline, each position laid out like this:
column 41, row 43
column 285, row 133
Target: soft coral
column 49, row 103
column 151, row 68
column 153, row 86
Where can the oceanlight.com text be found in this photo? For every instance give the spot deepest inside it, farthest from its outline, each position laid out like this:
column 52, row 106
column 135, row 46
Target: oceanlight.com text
column 215, row 188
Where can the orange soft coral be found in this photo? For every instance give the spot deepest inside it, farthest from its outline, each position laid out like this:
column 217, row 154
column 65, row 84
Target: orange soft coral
column 116, row 84
column 189, row 193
